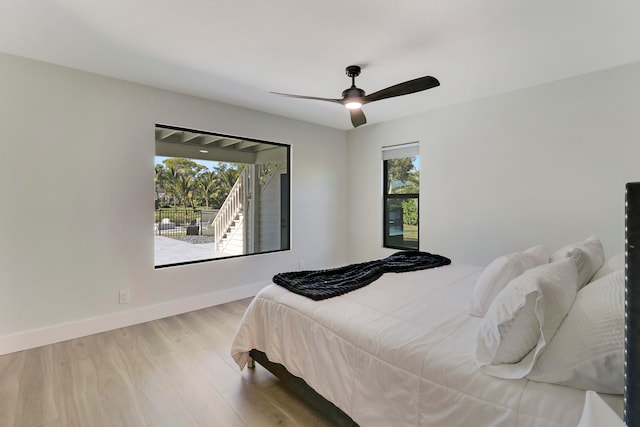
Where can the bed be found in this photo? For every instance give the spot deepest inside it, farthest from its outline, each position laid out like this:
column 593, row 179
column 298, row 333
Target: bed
column 404, row 350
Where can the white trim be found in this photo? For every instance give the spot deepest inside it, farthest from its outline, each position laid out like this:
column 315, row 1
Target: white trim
column 70, row 330
column 410, row 149
column 397, row 146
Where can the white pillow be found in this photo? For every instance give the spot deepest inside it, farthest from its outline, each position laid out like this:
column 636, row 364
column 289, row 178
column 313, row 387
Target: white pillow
column 589, row 257
column 500, row 272
column 587, row 352
column 524, row 317
column 615, row 263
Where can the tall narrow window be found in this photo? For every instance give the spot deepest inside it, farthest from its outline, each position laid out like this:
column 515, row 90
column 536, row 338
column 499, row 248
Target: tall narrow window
column 401, row 166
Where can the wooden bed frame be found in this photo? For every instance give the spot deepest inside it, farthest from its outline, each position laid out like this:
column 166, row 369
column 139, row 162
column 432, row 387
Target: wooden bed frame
column 632, row 332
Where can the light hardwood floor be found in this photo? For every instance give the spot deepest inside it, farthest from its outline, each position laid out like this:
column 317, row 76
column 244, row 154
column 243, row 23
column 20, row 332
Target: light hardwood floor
column 171, row 372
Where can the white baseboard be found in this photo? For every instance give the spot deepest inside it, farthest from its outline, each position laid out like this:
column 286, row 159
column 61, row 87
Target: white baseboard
column 66, row 331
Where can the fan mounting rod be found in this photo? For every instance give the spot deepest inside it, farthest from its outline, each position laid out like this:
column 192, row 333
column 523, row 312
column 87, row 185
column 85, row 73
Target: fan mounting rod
column 352, row 97
column 353, row 71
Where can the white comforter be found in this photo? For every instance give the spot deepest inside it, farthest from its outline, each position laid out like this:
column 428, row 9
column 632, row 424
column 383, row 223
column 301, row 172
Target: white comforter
column 399, row 352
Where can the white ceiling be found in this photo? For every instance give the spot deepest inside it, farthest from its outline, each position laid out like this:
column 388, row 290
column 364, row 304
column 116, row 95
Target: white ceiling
column 238, row 51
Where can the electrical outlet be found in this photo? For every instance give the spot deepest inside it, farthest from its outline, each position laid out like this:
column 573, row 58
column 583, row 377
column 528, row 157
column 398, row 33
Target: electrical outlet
column 124, row 296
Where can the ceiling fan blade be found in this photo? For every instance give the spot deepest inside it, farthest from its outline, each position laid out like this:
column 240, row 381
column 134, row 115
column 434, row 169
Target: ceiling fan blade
column 411, row 86
column 339, row 101
column 357, row 117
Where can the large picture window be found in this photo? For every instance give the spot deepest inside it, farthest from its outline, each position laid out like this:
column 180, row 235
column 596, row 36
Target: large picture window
column 401, row 193
column 218, row 196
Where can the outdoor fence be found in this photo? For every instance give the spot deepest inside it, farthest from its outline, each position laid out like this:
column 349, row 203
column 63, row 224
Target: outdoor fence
column 177, row 222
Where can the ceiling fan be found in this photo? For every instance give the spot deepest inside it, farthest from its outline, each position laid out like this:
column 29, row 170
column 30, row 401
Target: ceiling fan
column 354, row 98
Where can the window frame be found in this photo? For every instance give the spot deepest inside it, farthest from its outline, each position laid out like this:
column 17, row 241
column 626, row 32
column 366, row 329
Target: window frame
column 390, row 153
column 188, row 151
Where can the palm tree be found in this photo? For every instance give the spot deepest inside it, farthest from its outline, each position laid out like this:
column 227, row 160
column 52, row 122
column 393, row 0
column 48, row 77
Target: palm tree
column 160, row 179
column 182, row 187
column 205, row 186
column 226, row 177
column 169, row 180
column 184, row 166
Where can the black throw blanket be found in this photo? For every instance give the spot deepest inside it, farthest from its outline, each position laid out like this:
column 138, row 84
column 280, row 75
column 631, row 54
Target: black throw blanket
column 323, row 284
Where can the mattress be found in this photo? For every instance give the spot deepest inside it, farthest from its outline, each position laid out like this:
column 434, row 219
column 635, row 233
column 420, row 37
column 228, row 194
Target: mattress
column 400, row 352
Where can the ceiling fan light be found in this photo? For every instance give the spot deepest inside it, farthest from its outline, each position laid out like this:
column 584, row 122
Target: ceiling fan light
column 353, row 105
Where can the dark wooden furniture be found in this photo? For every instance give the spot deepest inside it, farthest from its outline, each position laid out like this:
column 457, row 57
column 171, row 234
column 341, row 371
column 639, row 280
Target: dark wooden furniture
column 304, row 390
column 632, row 307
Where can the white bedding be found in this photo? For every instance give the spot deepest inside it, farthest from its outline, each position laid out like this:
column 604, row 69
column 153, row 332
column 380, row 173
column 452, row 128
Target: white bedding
column 399, row 352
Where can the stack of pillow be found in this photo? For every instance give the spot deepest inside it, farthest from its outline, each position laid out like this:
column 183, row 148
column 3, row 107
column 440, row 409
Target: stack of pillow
column 556, row 318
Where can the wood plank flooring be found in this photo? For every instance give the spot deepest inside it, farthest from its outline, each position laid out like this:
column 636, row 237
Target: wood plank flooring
column 170, row 372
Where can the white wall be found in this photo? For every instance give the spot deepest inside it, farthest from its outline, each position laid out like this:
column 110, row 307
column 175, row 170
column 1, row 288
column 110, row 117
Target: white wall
column 546, row 165
column 269, row 212
column 76, row 181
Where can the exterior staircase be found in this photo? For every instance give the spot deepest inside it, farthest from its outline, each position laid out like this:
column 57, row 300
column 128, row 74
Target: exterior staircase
column 233, row 241
column 232, row 235
column 229, row 222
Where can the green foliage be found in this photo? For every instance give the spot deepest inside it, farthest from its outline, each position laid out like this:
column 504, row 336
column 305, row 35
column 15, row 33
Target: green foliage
column 402, row 176
column 410, row 233
column 184, row 166
column 205, row 187
column 410, row 212
column 266, row 170
column 180, row 181
column 226, row 176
